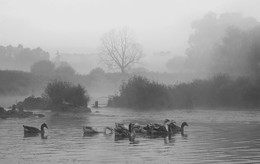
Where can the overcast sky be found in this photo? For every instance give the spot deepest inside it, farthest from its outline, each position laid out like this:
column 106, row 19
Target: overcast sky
column 75, row 26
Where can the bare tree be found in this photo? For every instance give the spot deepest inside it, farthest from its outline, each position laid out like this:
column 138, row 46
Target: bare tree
column 119, row 50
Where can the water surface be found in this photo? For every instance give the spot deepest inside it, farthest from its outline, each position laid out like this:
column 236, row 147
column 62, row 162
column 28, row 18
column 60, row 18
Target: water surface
column 213, row 136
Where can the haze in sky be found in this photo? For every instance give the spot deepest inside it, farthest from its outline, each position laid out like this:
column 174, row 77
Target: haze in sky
column 162, row 27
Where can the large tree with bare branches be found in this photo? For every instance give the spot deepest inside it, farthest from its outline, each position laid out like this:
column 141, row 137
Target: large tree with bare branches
column 119, row 50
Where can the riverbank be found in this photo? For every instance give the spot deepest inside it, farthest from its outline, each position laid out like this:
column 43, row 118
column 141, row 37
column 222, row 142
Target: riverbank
column 17, row 113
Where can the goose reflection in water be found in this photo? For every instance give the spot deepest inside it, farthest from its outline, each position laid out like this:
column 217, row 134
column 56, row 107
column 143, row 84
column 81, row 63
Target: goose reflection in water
column 134, row 142
column 170, row 139
column 27, row 135
column 184, row 136
column 120, row 138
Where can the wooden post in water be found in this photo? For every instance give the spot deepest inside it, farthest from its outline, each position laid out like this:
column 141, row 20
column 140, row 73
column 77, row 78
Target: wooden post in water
column 96, row 104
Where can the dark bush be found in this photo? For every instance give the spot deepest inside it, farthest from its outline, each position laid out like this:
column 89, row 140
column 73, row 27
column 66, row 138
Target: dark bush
column 32, row 102
column 61, row 93
column 139, row 92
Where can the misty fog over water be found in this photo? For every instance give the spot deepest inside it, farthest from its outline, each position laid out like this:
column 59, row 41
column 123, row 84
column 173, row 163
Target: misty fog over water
column 93, row 64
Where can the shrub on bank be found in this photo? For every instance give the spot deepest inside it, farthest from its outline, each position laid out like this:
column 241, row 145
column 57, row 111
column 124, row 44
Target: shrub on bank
column 59, row 94
column 139, row 92
column 33, row 102
column 219, row 91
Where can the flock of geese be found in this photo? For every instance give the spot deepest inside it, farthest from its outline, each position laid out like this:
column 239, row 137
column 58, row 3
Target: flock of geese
column 121, row 130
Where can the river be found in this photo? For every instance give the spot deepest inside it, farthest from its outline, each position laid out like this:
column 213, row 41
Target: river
column 213, row 136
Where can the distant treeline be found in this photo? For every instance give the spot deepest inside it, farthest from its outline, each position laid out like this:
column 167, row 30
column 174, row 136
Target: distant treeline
column 20, row 58
column 17, row 83
column 98, row 82
column 146, row 93
column 20, row 83
column 227, row 43
column 219, row 91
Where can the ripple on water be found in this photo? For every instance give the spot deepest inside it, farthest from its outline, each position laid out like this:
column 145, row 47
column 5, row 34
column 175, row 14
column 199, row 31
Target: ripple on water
column 212, row 137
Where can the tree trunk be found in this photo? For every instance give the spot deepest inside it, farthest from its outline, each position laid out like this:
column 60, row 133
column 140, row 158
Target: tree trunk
column 122, row 70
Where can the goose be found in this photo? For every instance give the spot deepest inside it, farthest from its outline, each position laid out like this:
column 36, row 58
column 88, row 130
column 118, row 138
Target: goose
column 140, row 128
column 34, row 130
column 109, row 129
column 174, row 128
column 122, row 131
column 132, row 132
column 164, row 127
column 91, row 130
column 121, row 125
column 158, row 128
